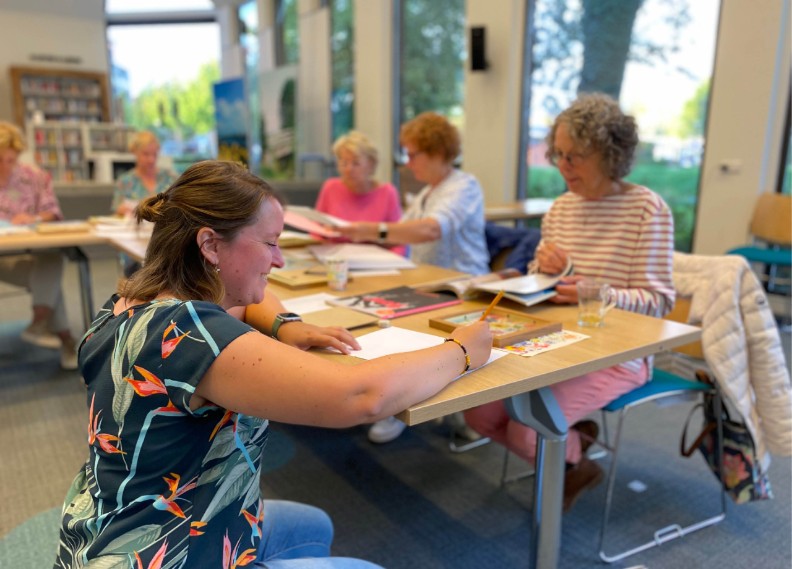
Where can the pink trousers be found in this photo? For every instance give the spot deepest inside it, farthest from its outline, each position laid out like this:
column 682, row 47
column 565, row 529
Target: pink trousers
column 577, row 397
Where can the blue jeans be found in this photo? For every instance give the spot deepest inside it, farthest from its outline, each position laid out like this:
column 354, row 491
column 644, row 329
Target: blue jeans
column 297, row 536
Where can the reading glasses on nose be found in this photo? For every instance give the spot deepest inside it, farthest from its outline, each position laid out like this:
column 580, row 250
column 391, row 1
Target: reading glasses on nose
column 573, row 159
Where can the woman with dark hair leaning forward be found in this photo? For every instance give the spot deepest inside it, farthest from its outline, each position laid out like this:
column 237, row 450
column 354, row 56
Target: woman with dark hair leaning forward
column 613, row 231
column 180, row 391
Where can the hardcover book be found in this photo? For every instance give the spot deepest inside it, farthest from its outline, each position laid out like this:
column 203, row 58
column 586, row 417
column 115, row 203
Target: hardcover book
column 396, row 302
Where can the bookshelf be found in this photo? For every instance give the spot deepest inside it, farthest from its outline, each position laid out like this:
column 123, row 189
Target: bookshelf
column 62, row 148
column 58, row 148
column 59, row 94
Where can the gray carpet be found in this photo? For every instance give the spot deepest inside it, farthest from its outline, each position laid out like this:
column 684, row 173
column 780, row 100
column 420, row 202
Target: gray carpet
column 408, row 504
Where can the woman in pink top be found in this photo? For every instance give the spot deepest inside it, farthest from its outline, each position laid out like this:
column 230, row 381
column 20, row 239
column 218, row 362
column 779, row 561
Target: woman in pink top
column 355, row 195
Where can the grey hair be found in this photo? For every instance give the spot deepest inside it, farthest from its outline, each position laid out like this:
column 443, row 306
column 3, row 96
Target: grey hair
column 595, row 122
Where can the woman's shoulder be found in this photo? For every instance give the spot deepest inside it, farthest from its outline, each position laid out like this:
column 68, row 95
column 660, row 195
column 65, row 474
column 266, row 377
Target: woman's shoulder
column 649, row 197
column 29, row 173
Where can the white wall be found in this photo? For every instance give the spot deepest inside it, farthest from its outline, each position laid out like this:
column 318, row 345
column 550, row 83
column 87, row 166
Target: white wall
column 492, row 99
column 69, row 28
column 745, row 129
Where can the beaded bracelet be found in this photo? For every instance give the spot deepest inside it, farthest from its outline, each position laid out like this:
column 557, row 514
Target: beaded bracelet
column 464, row 350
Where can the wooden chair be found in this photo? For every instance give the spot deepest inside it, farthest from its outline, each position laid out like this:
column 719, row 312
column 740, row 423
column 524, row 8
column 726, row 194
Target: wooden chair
column 771, row 251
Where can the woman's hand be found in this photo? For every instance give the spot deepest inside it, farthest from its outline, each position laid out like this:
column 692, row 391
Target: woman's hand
column 551, row 258
column 25, row 219
column 566, row 290
column 358, row 231
column 477, row 339
column 305, row 336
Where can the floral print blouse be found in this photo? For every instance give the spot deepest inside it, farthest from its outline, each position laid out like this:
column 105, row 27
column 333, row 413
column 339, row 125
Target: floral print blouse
column 164, row 485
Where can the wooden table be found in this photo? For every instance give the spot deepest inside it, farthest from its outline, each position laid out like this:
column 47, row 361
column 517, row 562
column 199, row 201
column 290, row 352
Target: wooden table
column 69, row 243
column 523, row 383
column 532, row 208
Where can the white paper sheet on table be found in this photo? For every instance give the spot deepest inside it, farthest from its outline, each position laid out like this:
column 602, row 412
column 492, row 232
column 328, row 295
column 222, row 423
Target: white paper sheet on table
column 395, row 340
column 308, row 303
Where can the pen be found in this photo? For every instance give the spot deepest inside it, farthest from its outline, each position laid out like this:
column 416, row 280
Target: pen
column 491, row 306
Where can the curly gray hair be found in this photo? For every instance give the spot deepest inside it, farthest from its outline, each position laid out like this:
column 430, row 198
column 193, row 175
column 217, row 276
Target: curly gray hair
column 596, row 122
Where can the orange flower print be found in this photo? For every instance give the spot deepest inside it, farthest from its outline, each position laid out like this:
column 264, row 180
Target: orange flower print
column 156, row 561
column 230, row 558
column 168, row 503
column 169, row 345
column 94, row 426
column 195, row 528
column 149, row 385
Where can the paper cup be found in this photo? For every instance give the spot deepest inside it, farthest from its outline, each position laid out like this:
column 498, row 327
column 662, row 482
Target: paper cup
column 337, row 273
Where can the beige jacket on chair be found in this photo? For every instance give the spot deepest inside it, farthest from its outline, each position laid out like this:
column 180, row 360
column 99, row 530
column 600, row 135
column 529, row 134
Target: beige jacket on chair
column 741, row 345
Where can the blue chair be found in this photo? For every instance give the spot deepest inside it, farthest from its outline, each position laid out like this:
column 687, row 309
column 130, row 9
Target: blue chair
column 770, row 254
column 664, row 385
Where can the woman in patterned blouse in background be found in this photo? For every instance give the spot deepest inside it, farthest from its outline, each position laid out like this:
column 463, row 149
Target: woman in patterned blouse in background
column 26, row 197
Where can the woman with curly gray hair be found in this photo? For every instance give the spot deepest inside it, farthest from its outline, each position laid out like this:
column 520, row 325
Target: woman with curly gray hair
column 612, row 231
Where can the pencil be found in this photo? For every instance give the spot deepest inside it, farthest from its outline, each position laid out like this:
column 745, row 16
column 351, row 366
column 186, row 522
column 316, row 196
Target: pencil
column 491, row 306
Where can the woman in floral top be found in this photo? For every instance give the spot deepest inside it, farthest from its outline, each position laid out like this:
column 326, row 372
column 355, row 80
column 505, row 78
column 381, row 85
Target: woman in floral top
column 180, row 391
column 145, row 179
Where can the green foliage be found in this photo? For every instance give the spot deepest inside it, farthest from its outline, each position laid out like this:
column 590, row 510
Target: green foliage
column 694, row 113
column 432, row 56
column 677, row 186
column 186, row 108
column 342, row 43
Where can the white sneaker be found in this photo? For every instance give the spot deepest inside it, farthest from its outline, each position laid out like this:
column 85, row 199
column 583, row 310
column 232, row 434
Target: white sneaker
column 38, row 335
column 386, row 430
column 68, row 357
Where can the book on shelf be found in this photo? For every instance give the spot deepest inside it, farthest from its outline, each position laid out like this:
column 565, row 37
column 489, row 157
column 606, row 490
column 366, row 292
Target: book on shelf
column 396, row 302
column 523, row 289
column 361, row 256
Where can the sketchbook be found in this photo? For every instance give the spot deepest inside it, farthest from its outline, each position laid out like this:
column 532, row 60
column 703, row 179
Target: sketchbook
column 396, row 302
column 526, row 289
column 317, row 216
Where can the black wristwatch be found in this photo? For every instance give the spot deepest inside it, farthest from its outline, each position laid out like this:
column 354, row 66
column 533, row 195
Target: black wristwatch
column 282, row 319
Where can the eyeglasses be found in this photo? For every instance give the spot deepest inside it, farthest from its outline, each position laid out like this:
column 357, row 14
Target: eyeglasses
column 410, row 156
column 573, row 159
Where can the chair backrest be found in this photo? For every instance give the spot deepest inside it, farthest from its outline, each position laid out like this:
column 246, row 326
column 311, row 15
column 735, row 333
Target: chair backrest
column 772, row 219
column 680, row 314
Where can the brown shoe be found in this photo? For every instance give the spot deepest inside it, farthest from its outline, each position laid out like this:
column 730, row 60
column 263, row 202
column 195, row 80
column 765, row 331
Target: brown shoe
column 582, row 476
column 589, row 431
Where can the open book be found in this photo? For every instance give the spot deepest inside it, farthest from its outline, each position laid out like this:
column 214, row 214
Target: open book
column 523, row 289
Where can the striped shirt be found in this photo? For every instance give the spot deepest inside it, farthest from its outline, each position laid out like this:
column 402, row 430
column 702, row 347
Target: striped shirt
column 626, row 240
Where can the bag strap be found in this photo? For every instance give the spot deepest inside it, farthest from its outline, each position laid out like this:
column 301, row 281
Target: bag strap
column 708, row 428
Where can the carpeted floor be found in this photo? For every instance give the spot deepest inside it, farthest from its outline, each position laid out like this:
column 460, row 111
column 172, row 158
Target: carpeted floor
column 408, row 504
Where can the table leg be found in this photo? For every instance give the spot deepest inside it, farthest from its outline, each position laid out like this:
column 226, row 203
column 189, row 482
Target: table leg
column 539, row 410
column 86, row 292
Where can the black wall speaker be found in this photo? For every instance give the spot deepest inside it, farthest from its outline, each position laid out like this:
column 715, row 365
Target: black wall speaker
column 478, row 51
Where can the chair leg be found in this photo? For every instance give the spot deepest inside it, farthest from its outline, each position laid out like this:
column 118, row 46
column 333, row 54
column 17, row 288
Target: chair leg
column 505, row 478
column 666, row 533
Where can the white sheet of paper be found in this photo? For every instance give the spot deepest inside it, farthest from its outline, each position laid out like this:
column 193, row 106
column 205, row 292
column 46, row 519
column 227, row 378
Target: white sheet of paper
column 396, row 340
column 308, row 303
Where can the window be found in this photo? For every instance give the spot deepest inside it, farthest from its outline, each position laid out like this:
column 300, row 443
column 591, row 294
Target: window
column 287, row 39
column 662, row 79
column 249, row 40
column 342, row 43
column 168, row 91
column 433, row 55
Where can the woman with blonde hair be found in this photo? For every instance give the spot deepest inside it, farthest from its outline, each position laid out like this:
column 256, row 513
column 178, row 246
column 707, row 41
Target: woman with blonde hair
column 26, row 197
column 145, row 179
column 355, row 195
